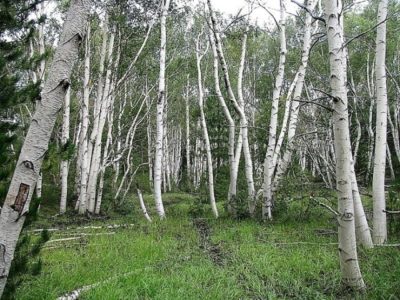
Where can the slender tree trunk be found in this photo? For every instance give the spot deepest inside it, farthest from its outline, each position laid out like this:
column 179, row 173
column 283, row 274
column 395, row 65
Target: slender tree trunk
column 239, row 110
column 378, row 181
column 286, row 158
column 268, row 163
column 160, row 113
column 187, row 120
column 231, row 138
column 28, row 166
column 210, row 170
column 244, row 124
column 65, row 162
column 350, row 269
column 395, row 131
column 390, row 164
column 83, row 139
column 371, row 91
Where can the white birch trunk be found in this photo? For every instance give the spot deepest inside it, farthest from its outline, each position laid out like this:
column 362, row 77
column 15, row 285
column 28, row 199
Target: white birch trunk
column 286, row 158
column 160, row 112
column 244, row 124
column 231, row 138
column 378, row 181
column 83, row 139
column 210, row 170
column 268, row 163
column 65, row 163
column 104, row 108
column 28, row 166
column 187, row 120
column 239, row 110
column 350, row 269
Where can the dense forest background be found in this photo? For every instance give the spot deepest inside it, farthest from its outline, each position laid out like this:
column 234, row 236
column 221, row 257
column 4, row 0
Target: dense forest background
column 165, row 104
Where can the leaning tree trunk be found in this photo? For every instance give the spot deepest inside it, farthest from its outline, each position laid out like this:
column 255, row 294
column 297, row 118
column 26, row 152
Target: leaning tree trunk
column 64, row 161
column 284, row 162
column 239, row 110
column 160, row 113
column 231, row 136
column 378, row 181
column 35, row 145
column 206, row 138
column 351, row 274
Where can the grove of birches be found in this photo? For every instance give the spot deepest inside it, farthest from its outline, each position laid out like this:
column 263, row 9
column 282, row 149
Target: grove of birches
column 164, row 149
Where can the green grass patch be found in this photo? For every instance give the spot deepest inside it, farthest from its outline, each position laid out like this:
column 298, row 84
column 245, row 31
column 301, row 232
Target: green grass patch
column 221, row 259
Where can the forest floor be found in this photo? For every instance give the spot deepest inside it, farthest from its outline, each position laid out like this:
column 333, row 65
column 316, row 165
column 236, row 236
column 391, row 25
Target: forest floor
column 191, row 255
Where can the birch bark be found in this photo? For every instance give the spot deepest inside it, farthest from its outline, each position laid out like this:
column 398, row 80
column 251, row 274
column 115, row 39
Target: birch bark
column 231, row 137
column 268, row 162
column 83, row 139
column 378, row 180
column 160, row 112
column 36, row 141
column 65, row 162
column 206, row 138
column 286, row 157
column 351, row 274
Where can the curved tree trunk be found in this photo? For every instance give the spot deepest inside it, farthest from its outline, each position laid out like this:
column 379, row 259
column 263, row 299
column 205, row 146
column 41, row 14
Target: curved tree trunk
column 206, row 138
column 36, row 141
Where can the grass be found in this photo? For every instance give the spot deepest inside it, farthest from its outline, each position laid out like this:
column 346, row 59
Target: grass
column 191, row 255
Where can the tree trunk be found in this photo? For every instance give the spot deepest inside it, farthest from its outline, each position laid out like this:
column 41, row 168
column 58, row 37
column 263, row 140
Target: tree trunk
column 35, row 145
column 83, row 139
column 231, row 205
column 187, row 119
column 160, row 113
column 65, row 162
column 350, row 269
column 378, row 181
column 210, row 170
column 244, row 125
column 286, row 158
column 268, row 165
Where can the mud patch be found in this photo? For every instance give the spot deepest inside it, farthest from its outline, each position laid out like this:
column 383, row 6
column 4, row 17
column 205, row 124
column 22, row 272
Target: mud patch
column 213, row 250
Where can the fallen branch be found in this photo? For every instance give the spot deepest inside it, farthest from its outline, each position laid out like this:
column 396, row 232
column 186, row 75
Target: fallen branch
column 113, row 226
column 298, row 243
column 76, row 293
column 64, row 240
column 79, row 237
column 392, row 211
column 387, row 245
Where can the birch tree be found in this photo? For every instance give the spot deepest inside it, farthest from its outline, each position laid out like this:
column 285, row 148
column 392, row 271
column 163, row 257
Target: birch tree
column 351, row 274
column 160, row 113
column 206, row 138
column 268, row 162
column 36, row 141
column 378, row 181
column 64, row 143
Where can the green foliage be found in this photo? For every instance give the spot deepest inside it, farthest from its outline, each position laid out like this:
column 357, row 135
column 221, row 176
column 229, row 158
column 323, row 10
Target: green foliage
column 393, row 204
